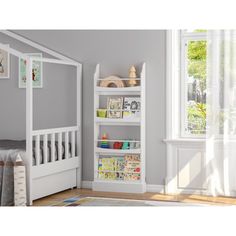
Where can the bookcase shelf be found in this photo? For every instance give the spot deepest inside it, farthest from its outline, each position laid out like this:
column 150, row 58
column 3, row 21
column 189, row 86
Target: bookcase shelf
column 117, row 121
column 118, row 91
column 132, row 179
column 117, row 151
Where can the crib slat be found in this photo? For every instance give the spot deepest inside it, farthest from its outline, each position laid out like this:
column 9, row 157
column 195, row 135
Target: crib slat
column 66, row 145
column 37, row 150
column 45, row 148
column 59, row 146
column 52, row 147
column 73, row 144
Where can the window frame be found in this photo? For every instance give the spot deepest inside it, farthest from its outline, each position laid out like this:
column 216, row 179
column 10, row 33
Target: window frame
column 184, row 38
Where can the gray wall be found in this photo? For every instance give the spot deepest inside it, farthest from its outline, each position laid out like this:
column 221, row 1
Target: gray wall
column 52, row 105
column 116, row 51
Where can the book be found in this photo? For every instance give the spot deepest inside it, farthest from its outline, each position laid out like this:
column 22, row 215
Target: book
column 132, row 157
column 119, row 176
column 106, row 164
column 114, row 107
column 132, row 167
column 131, row 107
column 131, row 177
column 120, row 164
column 107, row 175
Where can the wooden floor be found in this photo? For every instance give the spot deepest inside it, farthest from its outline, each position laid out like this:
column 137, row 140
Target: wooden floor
column 59, row 197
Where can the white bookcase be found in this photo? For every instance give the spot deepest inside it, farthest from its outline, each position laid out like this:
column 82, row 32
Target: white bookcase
column 124, row 127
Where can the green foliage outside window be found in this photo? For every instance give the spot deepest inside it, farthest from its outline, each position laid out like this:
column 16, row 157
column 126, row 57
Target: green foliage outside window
column 196, row 110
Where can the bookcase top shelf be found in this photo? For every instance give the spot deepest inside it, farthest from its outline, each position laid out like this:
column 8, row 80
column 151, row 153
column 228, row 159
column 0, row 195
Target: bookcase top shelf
column 120, row 78
column 136, row 90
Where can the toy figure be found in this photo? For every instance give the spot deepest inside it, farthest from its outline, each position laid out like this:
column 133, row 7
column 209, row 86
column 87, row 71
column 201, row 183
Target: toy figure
column 117, row 145
column 104, row 142
column 125, row 145
column 132, row 74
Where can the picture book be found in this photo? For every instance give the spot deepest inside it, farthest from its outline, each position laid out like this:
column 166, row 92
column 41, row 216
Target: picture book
column 106, row 164
column 132, row 164
column 114, row 107
column 107, row 175
column 119, row 175
column 131, row 177
column 132, row 157
column 131, row 107
column 120, row 164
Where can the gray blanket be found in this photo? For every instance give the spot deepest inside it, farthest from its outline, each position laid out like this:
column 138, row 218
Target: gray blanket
column 12, row 179
column 12, row 189
column 21, row 145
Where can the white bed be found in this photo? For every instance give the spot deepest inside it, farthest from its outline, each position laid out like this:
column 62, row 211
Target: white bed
column 52, row 156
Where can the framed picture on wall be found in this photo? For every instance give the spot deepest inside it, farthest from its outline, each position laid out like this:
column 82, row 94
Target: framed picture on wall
column 4, row 64
column 37, row 71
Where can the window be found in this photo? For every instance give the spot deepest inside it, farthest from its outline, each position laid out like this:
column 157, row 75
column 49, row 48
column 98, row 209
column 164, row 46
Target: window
column 193, row 54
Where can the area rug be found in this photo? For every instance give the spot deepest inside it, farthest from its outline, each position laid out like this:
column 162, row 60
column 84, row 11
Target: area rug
column 99, row 201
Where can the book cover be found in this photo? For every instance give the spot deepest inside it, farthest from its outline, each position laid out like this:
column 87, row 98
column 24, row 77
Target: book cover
column 132, row 157
column 107, row 175
column 120, row 164
column 106, row 164
column 114, row 107
column 131, row 177
column 109, row 163
column 131, row 107
column 119, row 176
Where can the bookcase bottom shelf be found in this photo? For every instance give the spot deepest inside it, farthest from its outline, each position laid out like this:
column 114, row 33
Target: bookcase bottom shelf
column 115, row 186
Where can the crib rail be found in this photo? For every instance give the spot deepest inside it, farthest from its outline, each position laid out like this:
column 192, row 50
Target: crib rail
column 51, row 145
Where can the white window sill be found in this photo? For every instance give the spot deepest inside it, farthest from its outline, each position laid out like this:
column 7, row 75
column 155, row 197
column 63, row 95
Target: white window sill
column 200, row 141
column 185, row 141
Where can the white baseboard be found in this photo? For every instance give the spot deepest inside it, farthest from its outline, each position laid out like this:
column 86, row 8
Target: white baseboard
column 149, row 187
column 120, row 187
column 154, row 188
column 87, row 184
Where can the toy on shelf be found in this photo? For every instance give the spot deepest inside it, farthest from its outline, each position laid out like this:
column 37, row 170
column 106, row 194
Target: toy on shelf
column 102, row 113
column 104, row 142
column 132, row 75
column 112, row 82
column 132, row 145
column 137, row 145
column 125, row 145
column 117, row 145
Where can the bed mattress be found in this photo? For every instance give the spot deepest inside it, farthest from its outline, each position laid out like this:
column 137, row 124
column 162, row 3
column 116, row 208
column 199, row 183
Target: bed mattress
column 21, row 146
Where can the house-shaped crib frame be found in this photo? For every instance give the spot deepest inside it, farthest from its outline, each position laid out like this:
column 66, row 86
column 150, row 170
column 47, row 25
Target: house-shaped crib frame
column 64, row 169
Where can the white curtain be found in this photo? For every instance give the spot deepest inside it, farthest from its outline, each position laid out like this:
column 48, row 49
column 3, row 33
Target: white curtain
column 221, row 113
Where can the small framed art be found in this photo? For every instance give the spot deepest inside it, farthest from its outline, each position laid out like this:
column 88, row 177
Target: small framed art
column 4, row 64
column 37, row 71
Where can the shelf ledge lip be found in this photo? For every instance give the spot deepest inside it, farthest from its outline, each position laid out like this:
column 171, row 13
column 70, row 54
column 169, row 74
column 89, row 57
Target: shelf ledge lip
column 117, row 120
column 119, row 151
column 130, row 89
column 120, row 78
